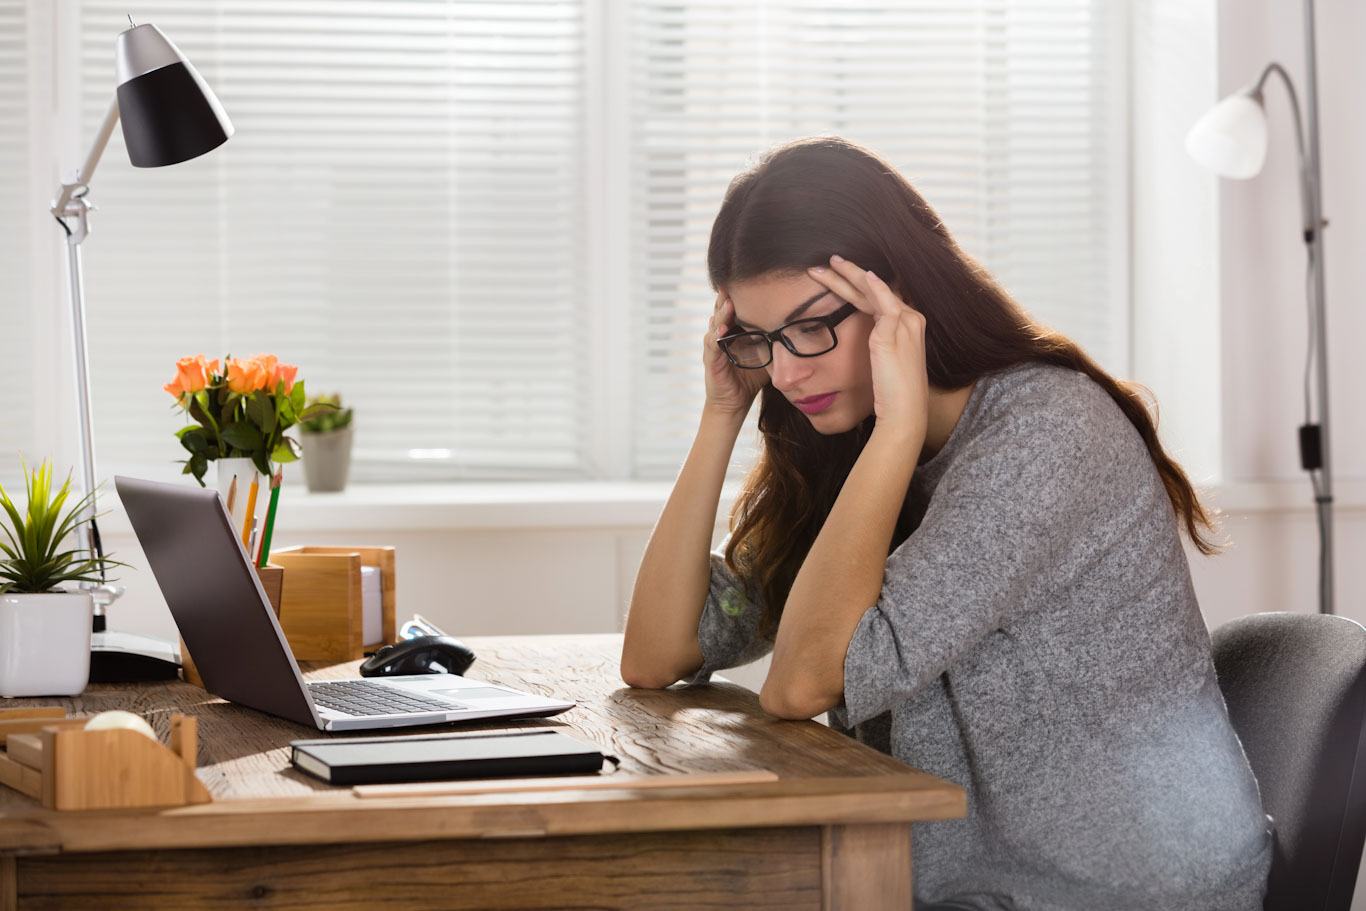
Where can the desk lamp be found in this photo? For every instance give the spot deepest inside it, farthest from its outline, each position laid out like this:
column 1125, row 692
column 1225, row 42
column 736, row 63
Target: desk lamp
column 1230, row 140
column 169, row 115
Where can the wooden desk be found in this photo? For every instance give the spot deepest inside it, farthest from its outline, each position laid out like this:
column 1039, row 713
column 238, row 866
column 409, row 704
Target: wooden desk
column 833, row 832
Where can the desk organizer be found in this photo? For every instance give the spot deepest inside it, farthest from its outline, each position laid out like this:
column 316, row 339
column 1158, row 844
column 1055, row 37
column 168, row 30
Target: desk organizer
column 272, row 579
column 53, row 759
column 321, row 611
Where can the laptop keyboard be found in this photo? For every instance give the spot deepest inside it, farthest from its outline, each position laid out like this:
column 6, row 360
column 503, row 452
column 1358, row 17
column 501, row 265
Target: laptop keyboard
column 362, row 697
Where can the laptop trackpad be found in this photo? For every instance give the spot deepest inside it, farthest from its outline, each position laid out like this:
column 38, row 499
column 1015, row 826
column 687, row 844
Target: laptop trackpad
column 464, row 694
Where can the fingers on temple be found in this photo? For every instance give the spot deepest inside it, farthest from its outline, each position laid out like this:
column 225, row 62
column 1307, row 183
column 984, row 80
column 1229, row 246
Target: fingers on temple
column 886, row 303
column 843, row 286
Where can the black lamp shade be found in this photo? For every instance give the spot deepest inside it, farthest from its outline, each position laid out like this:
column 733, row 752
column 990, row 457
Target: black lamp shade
column 169, row 113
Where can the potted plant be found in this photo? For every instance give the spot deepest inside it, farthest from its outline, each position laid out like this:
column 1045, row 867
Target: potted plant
column 326, row 444
column 241, row 411
column 44, row 629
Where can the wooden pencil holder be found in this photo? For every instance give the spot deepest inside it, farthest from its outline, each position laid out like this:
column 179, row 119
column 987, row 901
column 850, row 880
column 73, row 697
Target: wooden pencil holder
column 321, row 612
column 272, row 578
column 53, row 759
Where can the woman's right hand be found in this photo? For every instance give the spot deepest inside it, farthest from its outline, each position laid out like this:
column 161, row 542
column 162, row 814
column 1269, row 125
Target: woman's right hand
column 730, row 389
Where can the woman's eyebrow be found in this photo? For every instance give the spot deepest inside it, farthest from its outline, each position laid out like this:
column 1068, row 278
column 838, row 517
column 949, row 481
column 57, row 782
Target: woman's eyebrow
column 795, row 314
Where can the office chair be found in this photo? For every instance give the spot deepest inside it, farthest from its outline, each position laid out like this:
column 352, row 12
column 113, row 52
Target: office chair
column 1295, row 685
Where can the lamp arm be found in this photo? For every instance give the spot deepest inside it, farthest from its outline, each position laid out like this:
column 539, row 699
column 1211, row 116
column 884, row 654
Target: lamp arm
column 1308, row 181
column 81, row 179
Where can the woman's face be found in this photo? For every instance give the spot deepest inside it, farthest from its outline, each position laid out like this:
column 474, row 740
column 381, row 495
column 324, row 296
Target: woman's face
column 834, row 390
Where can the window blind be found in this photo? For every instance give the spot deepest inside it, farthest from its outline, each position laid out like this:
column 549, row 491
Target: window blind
column 1007, row 115
column 404, row 207
column 16, row 413
column 399, row 213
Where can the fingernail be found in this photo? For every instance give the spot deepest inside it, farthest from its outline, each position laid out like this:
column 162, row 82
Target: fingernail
column 872, row 276
column 837, row 258
column 818, row 268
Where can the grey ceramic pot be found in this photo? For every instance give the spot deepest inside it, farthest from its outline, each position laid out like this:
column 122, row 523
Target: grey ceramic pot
column 327, row 459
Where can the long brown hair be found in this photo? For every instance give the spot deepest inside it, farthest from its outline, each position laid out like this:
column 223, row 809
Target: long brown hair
column 802, row 202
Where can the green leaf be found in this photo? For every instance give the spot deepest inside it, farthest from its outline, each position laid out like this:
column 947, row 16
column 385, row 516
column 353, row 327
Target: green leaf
column 285, row 451
column 198, row 466
column 288, row 416
column 297, row 397
column 194, row 440
column 317, row 410
column 243, row 435
column 261, row 411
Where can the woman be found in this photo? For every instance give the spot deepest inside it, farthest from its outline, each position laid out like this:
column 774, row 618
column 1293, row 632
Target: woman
column 962, row 539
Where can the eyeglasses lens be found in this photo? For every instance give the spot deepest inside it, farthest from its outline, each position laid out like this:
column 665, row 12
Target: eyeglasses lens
column 749, row 350
column 810, row 337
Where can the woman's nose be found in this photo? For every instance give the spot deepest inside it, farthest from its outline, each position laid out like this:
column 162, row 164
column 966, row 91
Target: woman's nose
column 786, row 369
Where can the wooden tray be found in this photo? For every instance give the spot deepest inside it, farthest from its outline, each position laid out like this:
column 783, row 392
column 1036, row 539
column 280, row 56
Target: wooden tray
column 53, row 759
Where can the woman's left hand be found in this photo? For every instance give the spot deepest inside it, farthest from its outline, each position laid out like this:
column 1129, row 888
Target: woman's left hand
column 901, row 390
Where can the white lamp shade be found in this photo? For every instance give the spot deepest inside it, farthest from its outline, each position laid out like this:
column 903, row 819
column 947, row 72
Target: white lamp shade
column 1230, row 139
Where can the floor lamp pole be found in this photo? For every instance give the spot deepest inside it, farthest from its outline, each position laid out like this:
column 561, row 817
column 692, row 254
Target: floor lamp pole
column 1323, row 492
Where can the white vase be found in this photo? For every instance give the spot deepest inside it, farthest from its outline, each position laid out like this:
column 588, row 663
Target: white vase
column 243, row 470
column 45, row 643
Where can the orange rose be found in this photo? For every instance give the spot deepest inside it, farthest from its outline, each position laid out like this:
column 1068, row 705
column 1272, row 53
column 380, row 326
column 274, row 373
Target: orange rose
column 245, row 377
column 175, row 389
column 285, row 373
column 190, row 372
column 276, row 373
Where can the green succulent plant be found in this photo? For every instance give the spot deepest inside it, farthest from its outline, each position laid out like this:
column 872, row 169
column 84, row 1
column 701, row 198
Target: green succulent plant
column 32, row 562
column 334, row 418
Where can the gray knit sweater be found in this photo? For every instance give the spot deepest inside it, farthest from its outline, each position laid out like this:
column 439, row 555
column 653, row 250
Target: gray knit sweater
column 1038, row 642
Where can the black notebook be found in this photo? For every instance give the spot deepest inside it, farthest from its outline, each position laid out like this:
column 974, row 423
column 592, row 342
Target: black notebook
column 434, row 757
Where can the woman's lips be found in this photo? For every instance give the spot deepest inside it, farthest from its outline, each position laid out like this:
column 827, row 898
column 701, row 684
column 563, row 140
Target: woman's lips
column 816, row 403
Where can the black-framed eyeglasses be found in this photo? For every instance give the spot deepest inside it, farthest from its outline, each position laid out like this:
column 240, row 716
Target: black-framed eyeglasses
column 804, row 338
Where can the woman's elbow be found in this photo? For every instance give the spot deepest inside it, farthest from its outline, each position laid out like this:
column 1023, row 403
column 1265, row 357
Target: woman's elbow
column 792, row 702
column 645, row 678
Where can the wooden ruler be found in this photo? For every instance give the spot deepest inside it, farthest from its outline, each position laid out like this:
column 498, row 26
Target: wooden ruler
column 564, row 783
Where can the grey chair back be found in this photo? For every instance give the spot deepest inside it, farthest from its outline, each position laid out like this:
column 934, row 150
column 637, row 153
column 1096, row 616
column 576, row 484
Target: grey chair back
column 1295, row 685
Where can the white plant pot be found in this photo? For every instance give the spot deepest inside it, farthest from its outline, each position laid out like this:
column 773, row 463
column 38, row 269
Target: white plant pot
column 45, row 643
column 327, row 459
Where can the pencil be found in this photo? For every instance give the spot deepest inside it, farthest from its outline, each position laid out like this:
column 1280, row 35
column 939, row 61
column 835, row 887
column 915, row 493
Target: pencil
column 270, row 517
column 251, row 509
column 232, row 494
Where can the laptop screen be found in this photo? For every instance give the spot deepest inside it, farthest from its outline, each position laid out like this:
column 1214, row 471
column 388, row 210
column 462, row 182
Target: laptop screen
column 216, row 600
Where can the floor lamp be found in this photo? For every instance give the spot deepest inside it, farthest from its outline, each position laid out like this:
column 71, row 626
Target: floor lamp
column 1231, row 141
column 169, row 115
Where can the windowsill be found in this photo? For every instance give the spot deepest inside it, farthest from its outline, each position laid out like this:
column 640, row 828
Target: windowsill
column 616, row 504
column 1297, row 496
column 467, row 506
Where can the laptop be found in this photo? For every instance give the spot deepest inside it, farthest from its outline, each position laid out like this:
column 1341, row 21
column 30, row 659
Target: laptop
column 239, row 649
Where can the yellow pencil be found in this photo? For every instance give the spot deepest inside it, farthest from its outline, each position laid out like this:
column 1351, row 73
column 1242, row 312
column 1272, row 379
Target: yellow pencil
column 251, row 508
column 232, row 494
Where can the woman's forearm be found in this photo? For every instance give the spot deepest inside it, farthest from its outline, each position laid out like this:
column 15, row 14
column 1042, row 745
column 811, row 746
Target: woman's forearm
column 660, row 644
column 839, row 580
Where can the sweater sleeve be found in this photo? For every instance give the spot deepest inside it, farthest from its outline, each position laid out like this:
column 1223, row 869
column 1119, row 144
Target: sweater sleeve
column 989, row 542
column 728, row 631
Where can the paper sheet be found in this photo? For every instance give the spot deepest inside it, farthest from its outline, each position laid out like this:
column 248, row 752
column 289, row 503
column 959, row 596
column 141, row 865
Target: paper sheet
column 371, row 604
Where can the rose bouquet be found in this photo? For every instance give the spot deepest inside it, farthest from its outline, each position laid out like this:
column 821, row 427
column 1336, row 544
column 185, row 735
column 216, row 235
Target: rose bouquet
column 241, row 410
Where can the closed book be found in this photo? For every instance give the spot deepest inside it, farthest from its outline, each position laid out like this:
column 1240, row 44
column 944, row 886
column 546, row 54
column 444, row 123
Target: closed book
column 435, row 757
